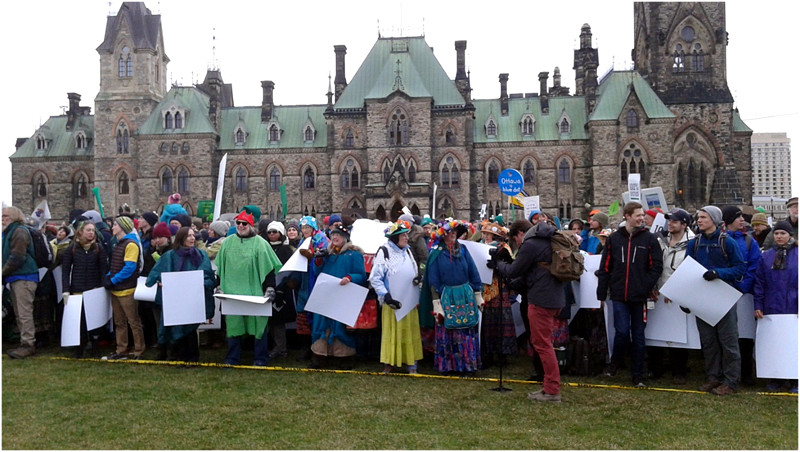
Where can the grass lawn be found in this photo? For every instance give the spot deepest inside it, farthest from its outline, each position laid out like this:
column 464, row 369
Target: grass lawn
column 67, row 404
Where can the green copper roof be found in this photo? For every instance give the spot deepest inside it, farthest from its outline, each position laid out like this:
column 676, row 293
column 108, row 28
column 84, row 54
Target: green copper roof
column 291, row 120
column 738, row 124
column 400, row 64
column 614, row 91
column 189, row 99
column 545, row 127
column 60, row 142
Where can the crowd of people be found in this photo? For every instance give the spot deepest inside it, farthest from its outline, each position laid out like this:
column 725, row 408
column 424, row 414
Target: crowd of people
column 460, row 322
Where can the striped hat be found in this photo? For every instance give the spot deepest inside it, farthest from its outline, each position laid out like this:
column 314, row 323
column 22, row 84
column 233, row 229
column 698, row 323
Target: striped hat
column 125, row 223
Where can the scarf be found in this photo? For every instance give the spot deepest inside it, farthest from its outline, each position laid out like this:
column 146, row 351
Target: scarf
column 780, row 255
column 453, row 250
column 188, row 253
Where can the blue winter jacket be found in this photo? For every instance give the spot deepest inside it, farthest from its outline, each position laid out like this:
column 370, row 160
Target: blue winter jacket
column 752, row 258
column 710, row 256
column 775, row 291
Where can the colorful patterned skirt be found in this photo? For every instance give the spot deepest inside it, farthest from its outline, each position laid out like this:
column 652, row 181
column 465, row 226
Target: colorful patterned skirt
column 457, row 350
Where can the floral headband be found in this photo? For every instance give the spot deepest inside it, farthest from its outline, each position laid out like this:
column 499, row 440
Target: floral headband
column 447, row 226
column 397, row 228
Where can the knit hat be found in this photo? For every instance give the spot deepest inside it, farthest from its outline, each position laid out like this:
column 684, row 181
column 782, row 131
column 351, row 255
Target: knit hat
column 254, row 211
column 161, row 230
column 730, row 214
column 426, row 220
column 277, row 226
column 220, row 228
column 791, row 202
column 499, row 219
column 174, row 198
column 651, row 212
column 533, row 213
column 576, row 220
column 293, row 224
column 759, row 218
column 151, row 218
column 74, row 214
column 93, row 216
column 309, row 221
column 173, row 229
column 183, row 219
column 335, row 218
column 714, row 213
column 125, row 223
column 783, row 225
column 601, row 217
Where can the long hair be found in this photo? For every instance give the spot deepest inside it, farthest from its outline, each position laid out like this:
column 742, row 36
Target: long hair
column 80, row 239
column 180, row 237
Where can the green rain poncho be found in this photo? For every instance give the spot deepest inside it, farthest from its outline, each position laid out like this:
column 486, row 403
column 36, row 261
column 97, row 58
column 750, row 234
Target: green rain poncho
column 242, row 264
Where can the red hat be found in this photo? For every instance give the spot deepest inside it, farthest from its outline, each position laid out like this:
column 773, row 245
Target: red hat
column 244, row 216
column 161, row 230
column 651, row 212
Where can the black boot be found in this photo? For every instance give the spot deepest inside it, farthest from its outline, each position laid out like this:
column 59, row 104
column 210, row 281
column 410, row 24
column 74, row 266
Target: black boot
column 162, row 352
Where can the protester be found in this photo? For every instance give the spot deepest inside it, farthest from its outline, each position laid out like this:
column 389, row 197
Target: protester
column 341, row 259
column 319, row 241
column 21, row 275
column 452, row 282
column 629, row 269
column 244, row 263
column 416, row 241
column 776, row 283
column 146, row 225
column 791, row 209
column 150, row 312
column 589, row 240
column 60, row 243
column 126, row 262
column 545, row 298
column 498, row 334
column 217, row 232
column 760, row 228
column 183, row 257
column 172, row 208
column 720, row 343
column 284, row 310
column 401, row 343
column 293, row 233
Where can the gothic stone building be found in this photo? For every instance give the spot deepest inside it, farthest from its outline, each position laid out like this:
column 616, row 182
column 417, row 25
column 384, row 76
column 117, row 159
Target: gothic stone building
column 401, row 125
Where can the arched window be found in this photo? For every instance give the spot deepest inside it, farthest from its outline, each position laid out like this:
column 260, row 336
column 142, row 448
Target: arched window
column 491, row 129
column 308, row 179
column 350, row 175
column 80, row 141
column 387, row 173
column 41, row 143
column 174, row 148
column 564, row 126
column 309, row 134
column 40, row 188
column 274, row 179
column 565, row 209
column 123, row 185
column 183, row 181
column 449, row 174
column 164, row 147
column 564, row 172
column 81, row 187
column 169, row 121
column 166, row 181
column 493, row 173
column 527, row 125
column 678, row 59
column 412, row 172
column 178, row 120
column 632, row 120
column 398, row 128
column 185, row 149
column 398, row 166
column 123, row 138
column 349, row 140
column 528, row 174
column 449, row 136
column 698, row 63
column 125, row 63
column 129, row 66
column 239, row 136
column 274, row 133
column 241, row 181
column 345, row 179
column 632, row 162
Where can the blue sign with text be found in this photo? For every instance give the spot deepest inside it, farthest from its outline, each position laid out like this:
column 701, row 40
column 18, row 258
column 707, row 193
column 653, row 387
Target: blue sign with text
column 510, row 182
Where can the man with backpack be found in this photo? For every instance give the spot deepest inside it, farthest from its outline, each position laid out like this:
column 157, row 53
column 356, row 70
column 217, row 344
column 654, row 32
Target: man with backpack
column 629, row 269
column 21, row 274
column 720, row 343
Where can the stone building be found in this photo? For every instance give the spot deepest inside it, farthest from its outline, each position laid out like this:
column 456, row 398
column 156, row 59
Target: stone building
column 398, row 128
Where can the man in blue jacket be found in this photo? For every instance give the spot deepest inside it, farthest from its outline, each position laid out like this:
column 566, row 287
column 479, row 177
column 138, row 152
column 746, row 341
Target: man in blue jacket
column 722, row 258
column 629, row 269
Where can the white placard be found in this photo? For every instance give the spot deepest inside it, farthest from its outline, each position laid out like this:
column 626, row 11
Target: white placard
column 244, row 305
column 58, row 275
column 368, row 235
column 745, row 313
column 480, row 255
column 587, row 294
column 635, row 187
column 215, row 322
column 341, row 303
column 529, row 204
column 708, row 300
column 659, row 224
column 483, row 211
column 776, row 346
column 403, row 289
column 97, row 305
column 223, row 163
column 144, row 293
column 71, row 322
column 666, row 322
column 519, row 324
column 42, row 272
column 183, row 298
column 608, row 312
column 692, row 337
column 298, row 262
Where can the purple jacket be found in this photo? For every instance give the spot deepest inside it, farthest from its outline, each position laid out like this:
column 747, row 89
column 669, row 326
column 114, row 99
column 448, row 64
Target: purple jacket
column 775, row 291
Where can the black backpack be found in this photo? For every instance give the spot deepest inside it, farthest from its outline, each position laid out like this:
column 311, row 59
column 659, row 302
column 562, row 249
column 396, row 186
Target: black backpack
column 42, row 251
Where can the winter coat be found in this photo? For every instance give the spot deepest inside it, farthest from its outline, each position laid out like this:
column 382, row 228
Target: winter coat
column 630, row 266
column 752, row 258
column 775, row 291
column 81, row 269
column 672, row 255
column 18, row 261
column 589, row 242
column 542, row 288
column 418, row 244
column 710, row 256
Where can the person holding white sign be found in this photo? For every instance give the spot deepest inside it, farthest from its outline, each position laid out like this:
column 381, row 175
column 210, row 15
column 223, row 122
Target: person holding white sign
column 722, row 258
column 498, row 335
column 184, row 257
column 343, row 260
column 776, row 283
column 401, row 343
column 319, row 241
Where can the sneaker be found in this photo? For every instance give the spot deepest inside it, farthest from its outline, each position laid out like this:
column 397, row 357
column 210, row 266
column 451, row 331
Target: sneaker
column 22, row 352
column 115, row 357
column 709, row 386
column 541, row 396
column 723, row 390
column 638, row 382
column 610, row 370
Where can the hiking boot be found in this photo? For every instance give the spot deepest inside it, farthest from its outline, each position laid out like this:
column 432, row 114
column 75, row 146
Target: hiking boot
column 115, row 357
column 22, row 352
column 541, row 396
column 610, row 370
column 723, row 390
column 710, row 385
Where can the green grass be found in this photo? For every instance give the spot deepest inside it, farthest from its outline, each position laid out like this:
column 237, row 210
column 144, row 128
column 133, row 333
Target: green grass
column 66, row 404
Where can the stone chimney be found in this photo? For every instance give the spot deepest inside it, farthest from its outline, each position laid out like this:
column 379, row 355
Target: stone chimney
column 74, row 109
column 504, row 94
column 462, row 80
column 543, row 76
column 340, row 82
column 267, row 103
column 214, row 83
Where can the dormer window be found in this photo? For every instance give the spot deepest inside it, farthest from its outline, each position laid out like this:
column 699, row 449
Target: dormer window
column 169, row 121
column 274, row 133
column 80, row 141
column 491, row 129
column 174, row 118
column 564, row 124
column 178, row 120
column 240, row 135
column 527, row 125
column 309, row 134
column 41, row 143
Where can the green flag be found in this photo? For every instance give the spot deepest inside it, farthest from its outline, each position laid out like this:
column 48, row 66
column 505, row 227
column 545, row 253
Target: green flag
column 205, row 209
column 613, row 208
column 284, row 200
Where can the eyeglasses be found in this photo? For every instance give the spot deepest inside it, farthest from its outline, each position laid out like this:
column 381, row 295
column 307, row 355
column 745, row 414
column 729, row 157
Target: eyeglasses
column 242, row 223
column 273, row 232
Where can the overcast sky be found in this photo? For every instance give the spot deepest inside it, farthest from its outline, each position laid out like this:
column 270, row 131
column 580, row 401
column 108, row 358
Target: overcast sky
column 49, row 50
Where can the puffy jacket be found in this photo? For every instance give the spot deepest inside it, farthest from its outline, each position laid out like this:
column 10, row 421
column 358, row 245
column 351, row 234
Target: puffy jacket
column 542, row 288
column 710, row 256
column 775, row 291
column 83, row 270
column 630, row 266
column 752, row 258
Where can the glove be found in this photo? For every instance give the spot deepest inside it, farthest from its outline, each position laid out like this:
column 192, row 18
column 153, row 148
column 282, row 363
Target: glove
column 493, row 252
column 391, row 302
column 269, row 294
column 279, row 301
column 322, row 252
column 686, row 310
column 306, row 253
column 65, row 297
column 491, row 263
column 710, row 275
column 479, row 300
column 417, row 280
column 107, row 282
column 438, row 311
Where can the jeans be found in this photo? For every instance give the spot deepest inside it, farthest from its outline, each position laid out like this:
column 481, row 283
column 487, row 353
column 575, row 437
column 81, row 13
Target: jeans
column 720, row 345
column 541, row 321
column 260, row 350
column 629, row 326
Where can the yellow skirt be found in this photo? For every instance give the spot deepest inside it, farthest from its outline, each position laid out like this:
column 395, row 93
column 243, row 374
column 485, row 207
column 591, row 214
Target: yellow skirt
column 401, row 343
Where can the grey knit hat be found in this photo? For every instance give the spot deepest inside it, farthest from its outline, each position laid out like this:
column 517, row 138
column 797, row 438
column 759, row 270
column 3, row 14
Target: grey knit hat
column 601, row 218
column 715, row 213
column 220, row 228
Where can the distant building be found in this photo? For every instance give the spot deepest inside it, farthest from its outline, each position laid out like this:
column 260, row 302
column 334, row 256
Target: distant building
column 772, row 163
column 399, row 126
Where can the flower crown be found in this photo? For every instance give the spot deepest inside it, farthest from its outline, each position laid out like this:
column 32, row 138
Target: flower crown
column 447, row 226
column 399, row 227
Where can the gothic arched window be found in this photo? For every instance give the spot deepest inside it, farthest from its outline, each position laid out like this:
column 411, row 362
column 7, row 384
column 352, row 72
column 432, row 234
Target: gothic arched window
column 308, row 179
column 274, row 179
column 349, row 140
column 493, row 173
column 528, row 173
column 398, row 128
column 178, row 120
column 564, row 172
column 123, row 184
column 169, row 121
column 241, row 181
column 183, row 181
column 123, row 138
column 166, row 181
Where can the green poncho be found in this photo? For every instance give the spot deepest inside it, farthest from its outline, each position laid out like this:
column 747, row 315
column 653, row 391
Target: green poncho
column 242, row 265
